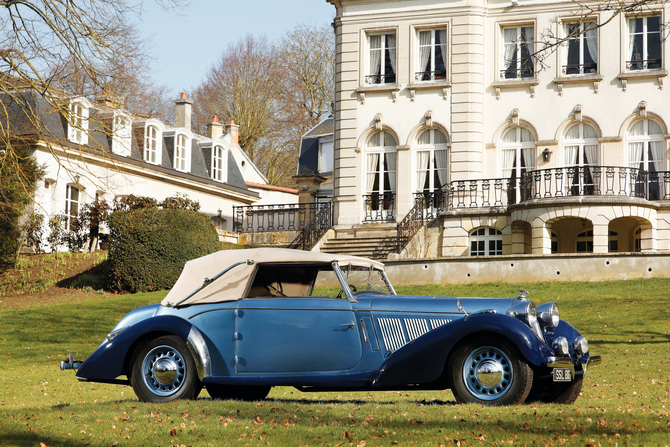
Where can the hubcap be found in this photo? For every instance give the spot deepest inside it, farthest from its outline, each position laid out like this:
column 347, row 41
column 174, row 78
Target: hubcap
column 488, row 373
column 163, row 370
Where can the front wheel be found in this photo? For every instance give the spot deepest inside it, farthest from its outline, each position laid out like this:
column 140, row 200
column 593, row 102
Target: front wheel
column 164, row 370
column 550, row 392
column 489, row 372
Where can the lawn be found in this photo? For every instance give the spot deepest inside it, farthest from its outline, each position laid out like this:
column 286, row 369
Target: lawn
column 624, row 400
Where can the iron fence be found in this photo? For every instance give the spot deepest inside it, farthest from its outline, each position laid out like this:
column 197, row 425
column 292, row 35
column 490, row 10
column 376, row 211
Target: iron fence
column 379, row 207
column 315, row 229
column 279, row 217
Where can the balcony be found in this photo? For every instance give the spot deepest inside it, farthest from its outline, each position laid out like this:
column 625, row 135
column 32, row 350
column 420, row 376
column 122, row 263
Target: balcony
column 595, row 181
column 270, row 218
column 380, row 207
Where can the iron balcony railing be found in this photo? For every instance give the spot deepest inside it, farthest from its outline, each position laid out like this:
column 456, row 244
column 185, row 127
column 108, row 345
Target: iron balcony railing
column 576, row 69
column 595, row 181
column 427, row 207
column 648, row 64
column 517, row 73
column 380, row 79
column 439, row 75
column 482, row 193
column 379, row 207
column 315, row 229
column 279, row 217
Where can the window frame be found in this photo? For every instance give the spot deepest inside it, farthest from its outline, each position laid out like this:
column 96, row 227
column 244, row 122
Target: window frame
column 71, row 203
column 219, row 171
column 419, row 73
column 182, row 163
column 501, row 48
column 122, row 134
column 581, row 36
column 326, row 142
column 78, row 121
column 486, row 238
column 158, row 139
column 645, row 139
column 644, row 67
column 432, row 168
column 368, row 77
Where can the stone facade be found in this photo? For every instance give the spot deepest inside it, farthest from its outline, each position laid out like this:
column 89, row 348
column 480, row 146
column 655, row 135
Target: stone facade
column 560, row 151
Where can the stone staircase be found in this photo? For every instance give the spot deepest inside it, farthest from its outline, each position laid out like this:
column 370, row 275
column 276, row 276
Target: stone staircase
column 373, row 241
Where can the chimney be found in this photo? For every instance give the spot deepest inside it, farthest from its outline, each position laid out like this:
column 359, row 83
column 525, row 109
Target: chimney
column 182, row 109
column 234, row 131
column 215, row 129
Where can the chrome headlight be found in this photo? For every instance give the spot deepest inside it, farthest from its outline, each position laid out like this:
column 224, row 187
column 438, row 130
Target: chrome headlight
column 580, row 345
column 561, row 346
column 548, row 315
column 526, row 312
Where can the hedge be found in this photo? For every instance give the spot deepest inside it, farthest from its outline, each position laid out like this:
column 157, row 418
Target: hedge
column 149, row 247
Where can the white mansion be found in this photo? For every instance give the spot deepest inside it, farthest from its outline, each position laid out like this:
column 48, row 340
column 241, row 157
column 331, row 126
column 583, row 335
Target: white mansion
column 451, row 104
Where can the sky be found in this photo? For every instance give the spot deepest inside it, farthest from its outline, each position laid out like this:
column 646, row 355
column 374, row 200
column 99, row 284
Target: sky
column 185, row 46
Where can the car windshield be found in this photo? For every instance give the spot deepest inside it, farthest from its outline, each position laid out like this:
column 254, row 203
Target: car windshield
column 360, row 279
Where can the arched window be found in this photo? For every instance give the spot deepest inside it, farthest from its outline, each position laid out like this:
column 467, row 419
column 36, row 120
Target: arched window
column 380, row 178
column 151, row 144
column 431, row 161
column 646, row 146
column 485, row 242
column 518, row 156
column 181, row 152
column 581, row 150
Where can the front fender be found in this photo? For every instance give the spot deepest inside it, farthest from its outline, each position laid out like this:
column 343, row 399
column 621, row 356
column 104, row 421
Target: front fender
column 423, row 360
column 107, row 362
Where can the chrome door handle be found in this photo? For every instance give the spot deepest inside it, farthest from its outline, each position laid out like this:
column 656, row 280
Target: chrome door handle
column 351, row 325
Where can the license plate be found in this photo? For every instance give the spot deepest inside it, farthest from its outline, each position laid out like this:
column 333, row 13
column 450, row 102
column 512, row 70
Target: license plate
column 562, row 375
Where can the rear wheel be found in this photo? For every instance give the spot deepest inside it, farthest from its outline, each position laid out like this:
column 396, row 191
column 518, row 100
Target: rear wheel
column 164, row 370
column 233, row 392
column 489, row 372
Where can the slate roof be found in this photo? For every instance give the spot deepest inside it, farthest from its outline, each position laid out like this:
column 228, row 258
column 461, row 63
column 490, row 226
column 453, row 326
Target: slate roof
column 308, row 161
column 47, row 124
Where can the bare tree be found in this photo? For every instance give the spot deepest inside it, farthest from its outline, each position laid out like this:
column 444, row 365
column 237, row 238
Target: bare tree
column 274, row 92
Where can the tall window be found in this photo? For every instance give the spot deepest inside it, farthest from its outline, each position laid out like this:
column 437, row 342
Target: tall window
column 218, row 164
column 584, row 242
column 432, row 55
column 486, row 242
column 644, row 43
column 380, row 176
column 518, row 156
column 581, row 55
column 581, row 152
column 180, row 151
column 646, row 146
column 71, row 205
column 78, row 127
column 431, row 160
column 122, row 141
column 326, row 155
column 517, row 52
column 382, row 59
column 151, row 144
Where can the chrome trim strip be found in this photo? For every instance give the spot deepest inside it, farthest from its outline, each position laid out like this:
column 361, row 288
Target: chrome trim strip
column 343, row 282
column 595, row 359
column 198, row 347
column 365, row 332
column 562, row 362
column 392, row 333
column 416, row 327
column 437, row 322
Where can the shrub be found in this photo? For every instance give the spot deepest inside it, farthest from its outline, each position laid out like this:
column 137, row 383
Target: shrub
column 149, row 247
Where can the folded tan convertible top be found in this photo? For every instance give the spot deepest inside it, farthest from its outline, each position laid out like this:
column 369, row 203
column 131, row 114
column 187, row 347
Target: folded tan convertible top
column 232, row 285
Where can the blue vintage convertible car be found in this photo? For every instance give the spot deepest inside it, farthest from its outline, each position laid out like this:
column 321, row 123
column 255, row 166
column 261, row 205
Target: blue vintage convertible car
column 239, row 322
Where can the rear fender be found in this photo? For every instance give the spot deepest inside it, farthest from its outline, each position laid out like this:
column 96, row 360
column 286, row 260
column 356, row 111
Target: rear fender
column 423, row 360
column 111, row 358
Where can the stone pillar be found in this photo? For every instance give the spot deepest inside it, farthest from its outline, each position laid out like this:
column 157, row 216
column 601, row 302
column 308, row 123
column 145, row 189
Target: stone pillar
column 518, row 238
column 404, row 189
column 541, row 244
column 601, row 235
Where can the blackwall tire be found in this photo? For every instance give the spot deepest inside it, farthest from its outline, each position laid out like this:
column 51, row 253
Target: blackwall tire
column 489, row 372
column 164, row 370
column 550, row 392
column 233, row 392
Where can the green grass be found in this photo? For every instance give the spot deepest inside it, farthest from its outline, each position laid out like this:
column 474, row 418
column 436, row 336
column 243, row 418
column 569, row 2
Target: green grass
column 624, row 401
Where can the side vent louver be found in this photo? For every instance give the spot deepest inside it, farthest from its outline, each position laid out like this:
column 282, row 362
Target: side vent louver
column 415, row 327
column 392, row 333
column 437, row 322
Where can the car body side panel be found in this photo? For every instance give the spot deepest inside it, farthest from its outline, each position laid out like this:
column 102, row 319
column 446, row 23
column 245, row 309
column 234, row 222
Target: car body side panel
column 107, row 362
column 218, row 328
column 287, row 335
column 423, row 360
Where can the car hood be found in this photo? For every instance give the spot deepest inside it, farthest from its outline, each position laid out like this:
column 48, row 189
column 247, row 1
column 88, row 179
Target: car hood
column 439, row 304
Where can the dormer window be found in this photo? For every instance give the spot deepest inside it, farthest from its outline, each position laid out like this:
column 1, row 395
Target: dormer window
column 78, row 125
column 219, row 165
column 181, row 153
column 153, row 141
column 122, row 135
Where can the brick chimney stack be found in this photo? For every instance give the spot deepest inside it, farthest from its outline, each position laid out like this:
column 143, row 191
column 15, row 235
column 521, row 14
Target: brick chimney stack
column 183, row 109
column 234, row 131
column 214, row 129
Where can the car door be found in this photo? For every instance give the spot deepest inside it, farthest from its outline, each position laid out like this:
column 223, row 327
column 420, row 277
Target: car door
column 295, row 335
